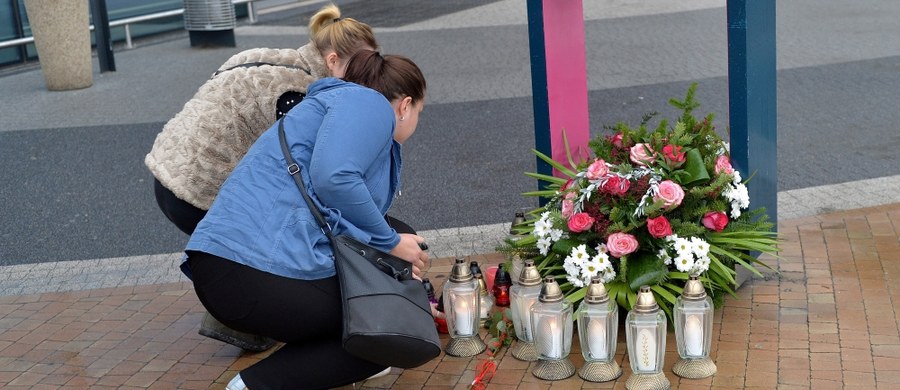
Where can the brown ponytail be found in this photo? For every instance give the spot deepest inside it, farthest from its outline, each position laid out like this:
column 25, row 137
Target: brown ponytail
column 392, row 75
column 345, row 36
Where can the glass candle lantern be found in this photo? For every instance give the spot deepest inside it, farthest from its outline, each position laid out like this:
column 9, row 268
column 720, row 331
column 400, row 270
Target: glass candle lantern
column 645, row 334
column 502, row 283
column 462, row 305
column 486, row 300
column 522, row 295
column 598, row 331
column 693, row 314
column 551, row 325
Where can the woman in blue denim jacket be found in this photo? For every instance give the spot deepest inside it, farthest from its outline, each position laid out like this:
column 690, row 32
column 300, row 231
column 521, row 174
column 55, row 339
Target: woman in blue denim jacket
column 258, row 260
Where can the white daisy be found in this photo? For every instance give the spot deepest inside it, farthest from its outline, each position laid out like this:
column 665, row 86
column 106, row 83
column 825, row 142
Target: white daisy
column 555, row 234
column 683, row 246
column 664, row 255
column 701, row 247
column 543, row 244
column 684, row 262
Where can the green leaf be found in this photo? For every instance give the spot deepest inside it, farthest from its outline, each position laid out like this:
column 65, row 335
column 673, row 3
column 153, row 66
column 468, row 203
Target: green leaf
column 564, row 246
column 645, row 270
column 659, row 290
column 559, row 167
column 550, row 179
column 695, row 167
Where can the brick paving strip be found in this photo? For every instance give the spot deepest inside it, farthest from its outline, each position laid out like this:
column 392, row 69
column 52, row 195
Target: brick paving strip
column 827, row 321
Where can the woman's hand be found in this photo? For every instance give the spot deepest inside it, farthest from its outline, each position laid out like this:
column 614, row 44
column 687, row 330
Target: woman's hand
column 409, row 249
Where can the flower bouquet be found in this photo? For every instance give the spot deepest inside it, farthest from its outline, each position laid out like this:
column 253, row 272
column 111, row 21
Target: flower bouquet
column 651, row 207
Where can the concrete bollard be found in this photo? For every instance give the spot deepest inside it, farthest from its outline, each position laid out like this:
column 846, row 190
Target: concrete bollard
column 62, row 37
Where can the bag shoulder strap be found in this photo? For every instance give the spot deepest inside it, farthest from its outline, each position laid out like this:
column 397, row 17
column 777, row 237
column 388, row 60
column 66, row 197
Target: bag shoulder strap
column 294, row 170
column 255, row 64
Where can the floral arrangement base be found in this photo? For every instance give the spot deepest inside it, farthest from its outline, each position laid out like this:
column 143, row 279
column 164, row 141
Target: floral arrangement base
column 648, row 382
column 465, row 346
column 695, row 368
column 600, row 371
column 554, row 370
column 524, row 351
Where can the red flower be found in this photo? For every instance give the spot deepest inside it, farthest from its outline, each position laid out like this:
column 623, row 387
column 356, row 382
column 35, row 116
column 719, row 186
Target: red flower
column 673, row 155
column 616, row 140
column 580, row 222
column 659, row 227
column 615, row 185
column 715, row 220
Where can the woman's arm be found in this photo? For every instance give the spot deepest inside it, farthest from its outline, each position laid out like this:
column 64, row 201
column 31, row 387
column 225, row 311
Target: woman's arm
column 354, row 133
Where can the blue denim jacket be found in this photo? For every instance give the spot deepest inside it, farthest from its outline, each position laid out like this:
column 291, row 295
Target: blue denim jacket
column 341, row 135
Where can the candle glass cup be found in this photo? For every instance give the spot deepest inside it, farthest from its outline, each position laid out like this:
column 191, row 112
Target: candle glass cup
column 462, row 306
column 693, row 327
column 522, row 298
column 693, row 312
column 598, row 331
column 646, row 339
column 551, row 325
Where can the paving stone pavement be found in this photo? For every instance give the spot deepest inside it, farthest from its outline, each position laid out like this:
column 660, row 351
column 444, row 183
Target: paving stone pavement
column 826, row 319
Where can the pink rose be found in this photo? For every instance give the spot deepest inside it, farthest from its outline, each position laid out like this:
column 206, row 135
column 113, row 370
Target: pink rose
column 642, row 154
column 597, row 169
column 723, row 165
column 674, row 155
column 621, row 244
column 615, row 185
column 670, row 193
column 715, row 220
column 580, row 222
column 568, row 205
column 659, row 227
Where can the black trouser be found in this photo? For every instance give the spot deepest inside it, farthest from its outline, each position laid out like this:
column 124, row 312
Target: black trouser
column 304, row 314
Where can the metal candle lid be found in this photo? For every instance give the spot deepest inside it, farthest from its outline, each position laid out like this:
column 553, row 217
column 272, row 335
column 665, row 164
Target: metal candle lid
column 645, row 301
column 596, row 292
column 693, row 289
column 550, row 291
column 529, row 275
column 460, row 271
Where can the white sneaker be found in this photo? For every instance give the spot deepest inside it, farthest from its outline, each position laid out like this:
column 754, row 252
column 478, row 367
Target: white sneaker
column 236, row 383
column 380, row 374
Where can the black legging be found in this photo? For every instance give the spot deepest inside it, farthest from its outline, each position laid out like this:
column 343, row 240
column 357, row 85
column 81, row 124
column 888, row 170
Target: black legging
column 183, row 214
column 304, row 314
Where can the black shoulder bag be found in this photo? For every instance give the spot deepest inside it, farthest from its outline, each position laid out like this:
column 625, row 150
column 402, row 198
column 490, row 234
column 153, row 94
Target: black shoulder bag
column 387, row 317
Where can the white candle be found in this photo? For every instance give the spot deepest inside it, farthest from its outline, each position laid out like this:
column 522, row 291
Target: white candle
column 596, row 331
column 463, row 317
column 551, row 334
column 646, row 350
column 693, row 336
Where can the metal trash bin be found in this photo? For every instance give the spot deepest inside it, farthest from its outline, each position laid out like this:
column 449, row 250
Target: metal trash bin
column 210, row 22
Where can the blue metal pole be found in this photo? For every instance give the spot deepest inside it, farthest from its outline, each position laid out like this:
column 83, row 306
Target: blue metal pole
column 752, row 92
column 540, row 97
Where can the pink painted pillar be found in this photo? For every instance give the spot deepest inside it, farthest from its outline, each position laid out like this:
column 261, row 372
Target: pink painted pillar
column 556, row 33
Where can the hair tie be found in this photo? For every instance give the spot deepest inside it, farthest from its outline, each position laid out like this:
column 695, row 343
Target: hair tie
column 335, row 20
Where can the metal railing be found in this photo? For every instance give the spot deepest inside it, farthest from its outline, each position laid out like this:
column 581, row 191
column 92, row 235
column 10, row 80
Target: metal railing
column 127, row 22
